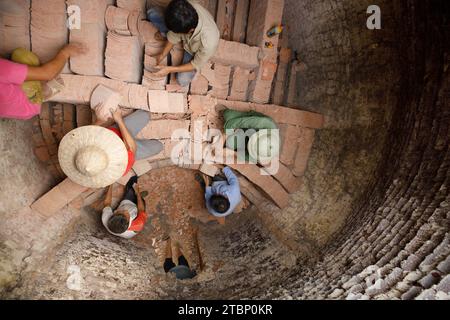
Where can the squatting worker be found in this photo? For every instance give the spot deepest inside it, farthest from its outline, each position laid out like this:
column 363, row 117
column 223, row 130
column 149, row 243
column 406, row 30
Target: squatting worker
column 223, row 195
column 130, row 217
column 186, row 22
column 96, row 157
column 21, row 91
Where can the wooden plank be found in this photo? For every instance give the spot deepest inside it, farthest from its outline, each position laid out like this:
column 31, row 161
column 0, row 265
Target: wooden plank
column 225, row 18
column 240, row 20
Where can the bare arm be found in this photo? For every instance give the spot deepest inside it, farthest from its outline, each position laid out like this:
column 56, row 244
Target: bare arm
column 164, row 71
column 140, row 202
column 108, row 198
column 165, row 52
column 128, row 139
column 51, row 69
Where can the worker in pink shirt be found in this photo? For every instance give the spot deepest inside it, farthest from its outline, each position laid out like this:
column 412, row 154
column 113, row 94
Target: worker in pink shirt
column 21, row 92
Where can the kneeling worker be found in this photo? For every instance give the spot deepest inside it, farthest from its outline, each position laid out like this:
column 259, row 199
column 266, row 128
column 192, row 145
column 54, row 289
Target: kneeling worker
column 128, row 219
column 224, row 195
column 186, row 22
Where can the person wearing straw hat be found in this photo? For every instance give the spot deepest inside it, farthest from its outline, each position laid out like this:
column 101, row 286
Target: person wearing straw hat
column 21, row 90
column 96, row 157
column 130, row 217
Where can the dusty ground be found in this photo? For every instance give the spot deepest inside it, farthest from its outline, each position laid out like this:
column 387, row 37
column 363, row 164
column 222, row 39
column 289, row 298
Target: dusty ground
column 175, row 204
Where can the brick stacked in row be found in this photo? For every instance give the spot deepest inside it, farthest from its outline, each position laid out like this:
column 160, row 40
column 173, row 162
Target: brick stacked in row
column 231, row 17
column 92, row 34
column 297, row 129
column 229, row 73
column 79, row 89
column 263, row 16
column 49, row 32
column 14, row 26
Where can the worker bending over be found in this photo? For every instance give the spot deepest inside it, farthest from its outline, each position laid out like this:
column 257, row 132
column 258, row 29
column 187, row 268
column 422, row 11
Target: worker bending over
column 186, row 22
column 129, row 218
column 21, row 91
column 224, row 195
column 96, row 157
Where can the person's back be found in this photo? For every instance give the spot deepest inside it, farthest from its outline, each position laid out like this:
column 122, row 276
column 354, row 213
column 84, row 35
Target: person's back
column 188, row 23
column 14, row 104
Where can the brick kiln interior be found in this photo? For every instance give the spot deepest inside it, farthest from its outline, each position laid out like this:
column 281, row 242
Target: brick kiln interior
column 366, row 216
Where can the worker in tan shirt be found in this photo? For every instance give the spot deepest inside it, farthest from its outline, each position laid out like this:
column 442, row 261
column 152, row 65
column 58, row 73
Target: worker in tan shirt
column 186, row 22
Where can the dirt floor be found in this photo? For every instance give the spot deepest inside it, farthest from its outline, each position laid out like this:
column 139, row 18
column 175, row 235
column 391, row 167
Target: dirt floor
column 175, row 204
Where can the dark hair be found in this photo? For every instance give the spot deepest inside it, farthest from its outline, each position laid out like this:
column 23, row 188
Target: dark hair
column 181, row 16
column 219, row 203
column 118, row 223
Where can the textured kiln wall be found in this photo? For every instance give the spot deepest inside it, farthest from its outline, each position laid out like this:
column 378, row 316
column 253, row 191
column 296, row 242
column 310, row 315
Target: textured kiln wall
column 353, row 78
column 396, row 244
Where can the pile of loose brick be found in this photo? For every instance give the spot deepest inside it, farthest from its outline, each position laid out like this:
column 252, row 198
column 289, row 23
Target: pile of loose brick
column 245, row 74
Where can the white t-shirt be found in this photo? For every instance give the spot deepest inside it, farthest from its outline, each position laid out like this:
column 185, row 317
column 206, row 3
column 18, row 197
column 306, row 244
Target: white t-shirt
column 125, row 205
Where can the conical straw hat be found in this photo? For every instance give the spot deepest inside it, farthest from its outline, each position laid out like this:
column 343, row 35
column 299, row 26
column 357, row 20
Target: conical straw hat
column 93, row 156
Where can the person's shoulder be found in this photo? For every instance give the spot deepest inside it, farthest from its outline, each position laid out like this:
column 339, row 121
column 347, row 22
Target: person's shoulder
column 209, row 38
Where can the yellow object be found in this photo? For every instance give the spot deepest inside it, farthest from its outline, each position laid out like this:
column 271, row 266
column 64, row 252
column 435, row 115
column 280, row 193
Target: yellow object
column 32, row 89
column 275, row 31
column 24, row 56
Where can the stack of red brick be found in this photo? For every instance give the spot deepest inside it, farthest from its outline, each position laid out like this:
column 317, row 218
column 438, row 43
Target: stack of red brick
column 49, row 32
column 14, row 26
column 92, row 34
column 123, row 58
column 297, row 129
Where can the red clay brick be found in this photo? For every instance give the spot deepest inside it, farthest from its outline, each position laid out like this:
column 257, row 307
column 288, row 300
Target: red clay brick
column 289, row 136
column 199, row 85
column 42, row 154
column 142, row 167
column 84, row 116
column 285, row 177
column 225, row 17
column 52, row 149
column 267, row 183
column 200, row 105
column 268, row 70
column 263, row 15
column 163, row 129
column 237, row 54
column 47, row 132
column 292, row 89
column 45, row 111
column 279, row 114
column 303, row 152
column 240, row 20
column 57, row 198
column 68, row 126
column 239, row 85
column 69, row 112
column 166, row 102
